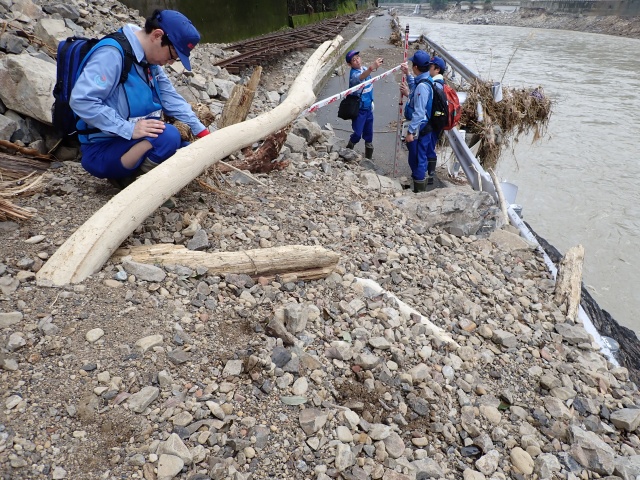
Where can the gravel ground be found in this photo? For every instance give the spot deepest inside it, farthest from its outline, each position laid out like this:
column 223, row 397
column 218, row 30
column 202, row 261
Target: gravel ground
column 423, row 355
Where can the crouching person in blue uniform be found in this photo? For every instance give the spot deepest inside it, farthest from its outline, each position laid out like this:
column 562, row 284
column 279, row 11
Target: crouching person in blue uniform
column 421, row 140
column 362, row 125
column 120, row 130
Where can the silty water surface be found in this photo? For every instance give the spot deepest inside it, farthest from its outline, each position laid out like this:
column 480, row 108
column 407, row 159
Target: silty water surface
column 579, row 184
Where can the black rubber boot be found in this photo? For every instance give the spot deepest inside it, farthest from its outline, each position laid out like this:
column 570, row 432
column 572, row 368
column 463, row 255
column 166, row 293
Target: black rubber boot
column 431, row 170
column 419, row 186
column 147, row 166
column 350, row 145
column 122, row 183
column 368, row 150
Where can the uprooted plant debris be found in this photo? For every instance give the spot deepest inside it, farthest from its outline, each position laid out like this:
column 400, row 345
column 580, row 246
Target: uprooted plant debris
column 21, row 173
column 497, row 124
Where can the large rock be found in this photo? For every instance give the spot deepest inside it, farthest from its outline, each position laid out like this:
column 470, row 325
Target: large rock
column 142, row 271
column 52, row 31
column 510, row 241
column 310, row 131
column 27, row 83
column 458, row 210
column 575, row 334
column 626, row 419
column 311, row 420
column 373, row 181
column 10, row 318
column 65, row 11
column 296, row 143
column 628, row 467
column 175, row 446
column 11, row 43
column 27, row 8
column 224, row 88
column 591, row 451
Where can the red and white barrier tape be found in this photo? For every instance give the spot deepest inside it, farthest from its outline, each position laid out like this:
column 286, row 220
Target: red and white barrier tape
column 341, row 95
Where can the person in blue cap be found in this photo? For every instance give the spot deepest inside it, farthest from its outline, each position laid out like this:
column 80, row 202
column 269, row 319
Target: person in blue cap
column 421, row 140
column 120, row 127
column 362, row 125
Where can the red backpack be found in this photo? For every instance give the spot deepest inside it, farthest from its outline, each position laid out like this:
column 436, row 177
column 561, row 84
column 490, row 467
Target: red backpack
column 453, row 102
column 445, row 107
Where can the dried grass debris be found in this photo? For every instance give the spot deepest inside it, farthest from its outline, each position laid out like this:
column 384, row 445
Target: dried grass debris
column 520, row 112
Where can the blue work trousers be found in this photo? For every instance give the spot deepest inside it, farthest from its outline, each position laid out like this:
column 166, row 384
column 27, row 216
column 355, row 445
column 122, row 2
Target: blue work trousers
column 102, row 159
column 362, row 127
column 419, row 151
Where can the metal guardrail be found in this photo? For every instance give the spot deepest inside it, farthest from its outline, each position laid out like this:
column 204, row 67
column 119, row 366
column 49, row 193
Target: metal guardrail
column 468, row 74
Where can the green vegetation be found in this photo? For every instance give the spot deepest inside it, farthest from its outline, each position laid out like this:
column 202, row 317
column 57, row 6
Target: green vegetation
column 347, row 7
column 306, row 19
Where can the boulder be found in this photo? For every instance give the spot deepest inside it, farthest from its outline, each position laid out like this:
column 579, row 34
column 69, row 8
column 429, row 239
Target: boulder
column 64, row 10
column 27, row 83
column 224, row 88
column 591, row 451
column 14, row 44
column 52, row 31
column 27, row 8
column 7, row 127
column 310, row 131
column 459, row 210
column 373, row 181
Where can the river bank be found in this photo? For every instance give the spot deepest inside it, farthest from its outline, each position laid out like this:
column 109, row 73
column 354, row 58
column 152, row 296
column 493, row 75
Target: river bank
column 464, row 367
column 606, row 25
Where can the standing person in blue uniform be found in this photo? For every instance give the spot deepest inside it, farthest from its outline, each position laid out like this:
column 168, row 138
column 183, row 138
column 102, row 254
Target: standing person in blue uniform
column 362, row 125
column 120, row 130
column 421, row 140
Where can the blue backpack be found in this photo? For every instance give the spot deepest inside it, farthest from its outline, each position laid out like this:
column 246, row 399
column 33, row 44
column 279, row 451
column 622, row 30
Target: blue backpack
column 439, row 115
column 72, row 55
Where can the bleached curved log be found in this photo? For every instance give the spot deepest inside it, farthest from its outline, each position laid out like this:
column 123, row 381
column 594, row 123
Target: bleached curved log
column 92, row 244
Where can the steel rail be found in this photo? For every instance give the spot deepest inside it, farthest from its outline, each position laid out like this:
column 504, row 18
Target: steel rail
column 260, row 50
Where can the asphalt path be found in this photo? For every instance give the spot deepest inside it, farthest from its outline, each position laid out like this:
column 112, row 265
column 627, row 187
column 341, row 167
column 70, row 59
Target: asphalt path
column 372, row 44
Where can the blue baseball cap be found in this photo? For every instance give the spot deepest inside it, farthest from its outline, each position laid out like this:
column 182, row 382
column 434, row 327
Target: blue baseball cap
column 437, row 61
column 181, row 33
column 350, row 55
column 420, row 58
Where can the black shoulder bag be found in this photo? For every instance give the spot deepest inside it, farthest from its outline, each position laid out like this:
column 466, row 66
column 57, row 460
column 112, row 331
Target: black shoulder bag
column 349, row 107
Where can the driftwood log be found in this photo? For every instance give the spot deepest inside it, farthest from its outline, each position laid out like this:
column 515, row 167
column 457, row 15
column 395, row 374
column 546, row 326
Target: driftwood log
column 237, row 107
column 89, row 247
column 629, row 353
column 289, row 263
column 569, row 281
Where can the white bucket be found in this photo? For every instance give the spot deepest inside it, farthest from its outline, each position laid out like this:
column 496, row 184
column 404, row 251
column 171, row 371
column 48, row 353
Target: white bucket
column 496, row 91
column 518, row 209
column 510, row 192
